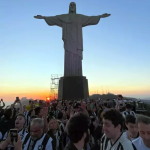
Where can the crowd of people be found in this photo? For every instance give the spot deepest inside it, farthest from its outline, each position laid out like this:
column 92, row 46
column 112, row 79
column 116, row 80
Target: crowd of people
column 73, row 125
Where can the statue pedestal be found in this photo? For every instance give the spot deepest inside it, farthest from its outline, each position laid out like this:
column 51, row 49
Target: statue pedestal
column 73, row 88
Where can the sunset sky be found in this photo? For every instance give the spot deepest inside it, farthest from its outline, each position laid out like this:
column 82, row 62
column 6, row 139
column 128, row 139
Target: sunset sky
column 116, row 55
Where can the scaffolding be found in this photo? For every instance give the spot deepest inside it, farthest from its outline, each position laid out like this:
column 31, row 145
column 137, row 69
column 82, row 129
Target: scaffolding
column 54, row 86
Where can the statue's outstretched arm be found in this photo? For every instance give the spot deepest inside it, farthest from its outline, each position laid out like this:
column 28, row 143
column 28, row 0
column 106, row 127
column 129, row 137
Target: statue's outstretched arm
column 39, row 17
column 51, row 20
column 105, row 15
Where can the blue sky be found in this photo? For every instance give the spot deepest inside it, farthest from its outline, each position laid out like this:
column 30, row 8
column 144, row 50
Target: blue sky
column 116, row 51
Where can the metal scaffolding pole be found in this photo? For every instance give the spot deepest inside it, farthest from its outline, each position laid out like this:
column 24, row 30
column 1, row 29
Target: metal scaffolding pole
column 54, row 86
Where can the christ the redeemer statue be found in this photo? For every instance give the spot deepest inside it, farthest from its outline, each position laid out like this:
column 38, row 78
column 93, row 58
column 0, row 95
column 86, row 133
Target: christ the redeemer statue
column 72, row 24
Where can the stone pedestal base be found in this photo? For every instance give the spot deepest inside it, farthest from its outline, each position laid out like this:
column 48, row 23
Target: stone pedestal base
column 73, row 88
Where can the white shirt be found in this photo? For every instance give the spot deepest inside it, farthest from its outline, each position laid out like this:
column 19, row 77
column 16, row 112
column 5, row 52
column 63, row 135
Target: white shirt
column 38, row 144
column 121, row 144
column 125, row 134
column 139, row 144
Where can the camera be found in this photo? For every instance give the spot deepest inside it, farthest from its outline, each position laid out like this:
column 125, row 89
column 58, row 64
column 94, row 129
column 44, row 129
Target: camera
column 13, row 135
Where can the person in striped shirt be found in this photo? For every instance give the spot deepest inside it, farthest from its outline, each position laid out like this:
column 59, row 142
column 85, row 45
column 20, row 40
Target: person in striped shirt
column 19, row 125
column 25, row 112
column 113, row 138
column 128, row 111
column 37, row 139
column 17, row 145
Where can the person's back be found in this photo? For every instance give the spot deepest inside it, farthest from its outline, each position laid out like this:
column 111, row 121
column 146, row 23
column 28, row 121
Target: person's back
column 77, row 129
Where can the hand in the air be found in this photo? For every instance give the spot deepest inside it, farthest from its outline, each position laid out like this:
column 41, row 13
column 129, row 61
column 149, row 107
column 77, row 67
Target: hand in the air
column 18, row 144
column 8, row 138
column 105, row 15
column 39, row 17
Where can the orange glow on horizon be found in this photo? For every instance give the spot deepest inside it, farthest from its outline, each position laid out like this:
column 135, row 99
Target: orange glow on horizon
column 45, row 94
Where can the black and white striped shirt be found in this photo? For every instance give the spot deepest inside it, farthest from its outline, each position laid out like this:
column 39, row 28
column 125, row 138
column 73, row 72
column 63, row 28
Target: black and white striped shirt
column 61, row 126
column 27, row 118
column 22, row 133
column 57, row 136
column 121, row 144
column 29, row 144
column 125, row 113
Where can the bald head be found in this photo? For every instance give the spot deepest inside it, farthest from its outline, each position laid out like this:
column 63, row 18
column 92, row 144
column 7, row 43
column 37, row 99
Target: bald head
column 36, row 128
column 38, row 121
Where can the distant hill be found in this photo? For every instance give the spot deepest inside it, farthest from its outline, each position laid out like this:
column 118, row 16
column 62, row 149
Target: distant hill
column 109, row 96
column 103, row 96
column 146, row 101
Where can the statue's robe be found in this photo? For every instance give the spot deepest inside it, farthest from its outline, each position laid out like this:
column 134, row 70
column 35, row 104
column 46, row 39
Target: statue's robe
column 72, row 36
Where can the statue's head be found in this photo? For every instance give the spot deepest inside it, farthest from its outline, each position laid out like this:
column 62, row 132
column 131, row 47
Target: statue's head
column 72, row 8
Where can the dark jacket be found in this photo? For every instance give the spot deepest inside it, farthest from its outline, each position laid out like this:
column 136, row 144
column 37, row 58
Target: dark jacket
column 70, row 146
column 6, row 124
column 95, row 147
